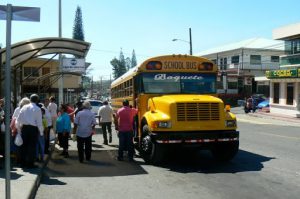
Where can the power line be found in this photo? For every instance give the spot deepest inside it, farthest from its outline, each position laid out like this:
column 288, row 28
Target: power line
column 114, row 52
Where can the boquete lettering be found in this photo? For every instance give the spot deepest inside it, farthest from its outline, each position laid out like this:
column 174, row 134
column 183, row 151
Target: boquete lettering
column 177, row 77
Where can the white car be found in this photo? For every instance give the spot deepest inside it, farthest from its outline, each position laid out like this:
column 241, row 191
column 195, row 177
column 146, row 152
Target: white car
column 95, row 105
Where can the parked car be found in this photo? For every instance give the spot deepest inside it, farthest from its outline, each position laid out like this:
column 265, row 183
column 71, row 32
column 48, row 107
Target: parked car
column 263, row 104
column 252, row 102
column 258, row 98
column 95, row 104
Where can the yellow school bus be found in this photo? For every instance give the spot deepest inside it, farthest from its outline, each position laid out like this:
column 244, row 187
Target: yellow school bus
column 177, row 106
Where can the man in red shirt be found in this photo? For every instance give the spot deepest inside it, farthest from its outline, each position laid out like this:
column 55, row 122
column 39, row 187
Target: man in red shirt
column 124, row 118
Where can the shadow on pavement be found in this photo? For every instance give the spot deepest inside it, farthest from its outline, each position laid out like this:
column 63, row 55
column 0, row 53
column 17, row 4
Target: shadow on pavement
column 103, row 163
column 14, row 173
column 203, row 162
column 46, row 180
column 97, row 146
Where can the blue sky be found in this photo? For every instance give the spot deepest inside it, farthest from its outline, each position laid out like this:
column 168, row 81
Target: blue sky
column 149, row 26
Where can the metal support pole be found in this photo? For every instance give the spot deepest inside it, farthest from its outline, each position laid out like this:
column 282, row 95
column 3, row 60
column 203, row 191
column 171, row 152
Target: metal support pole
column 61, row 80
column 7, row 99
column 191, row 46
column 0, row 73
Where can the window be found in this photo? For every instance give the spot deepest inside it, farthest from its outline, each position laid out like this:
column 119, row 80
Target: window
column 225, row 64
column 290, row 93
column 274, row 58
column 221, row 63
column 31, row 71
column 162, row 83
column 214, row 60
column 276, row 93
column 296, row 46
column 232, row 85
column 255, row 59
column 235, row 59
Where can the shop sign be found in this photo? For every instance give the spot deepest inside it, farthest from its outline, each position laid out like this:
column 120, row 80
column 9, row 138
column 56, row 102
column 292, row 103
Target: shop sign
column 73, row 65
column 282, row 73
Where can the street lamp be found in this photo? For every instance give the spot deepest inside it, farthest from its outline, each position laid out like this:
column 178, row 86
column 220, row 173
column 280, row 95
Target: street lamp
column 189, row 42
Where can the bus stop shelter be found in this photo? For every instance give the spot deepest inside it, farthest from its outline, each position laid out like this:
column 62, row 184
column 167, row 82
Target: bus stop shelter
column 22, row 52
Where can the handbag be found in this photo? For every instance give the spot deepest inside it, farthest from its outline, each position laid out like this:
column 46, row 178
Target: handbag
column 18, row 139
column 51, row 135
column 2, row 127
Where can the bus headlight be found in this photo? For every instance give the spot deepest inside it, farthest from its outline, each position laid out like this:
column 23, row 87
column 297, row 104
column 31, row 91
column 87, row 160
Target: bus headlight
column 162, row 124
column 230, row 123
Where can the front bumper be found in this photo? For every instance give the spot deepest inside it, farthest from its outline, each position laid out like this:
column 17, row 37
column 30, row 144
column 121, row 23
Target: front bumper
column 195, row 136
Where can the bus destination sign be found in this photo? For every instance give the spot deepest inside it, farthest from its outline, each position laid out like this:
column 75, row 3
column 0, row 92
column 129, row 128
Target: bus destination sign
column 179, row 65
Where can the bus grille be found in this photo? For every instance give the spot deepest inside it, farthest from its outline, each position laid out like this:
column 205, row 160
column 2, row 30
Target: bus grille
column 198, row 111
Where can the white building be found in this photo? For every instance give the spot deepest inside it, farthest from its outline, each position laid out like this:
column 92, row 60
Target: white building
column 285, row 83
column 239, row 63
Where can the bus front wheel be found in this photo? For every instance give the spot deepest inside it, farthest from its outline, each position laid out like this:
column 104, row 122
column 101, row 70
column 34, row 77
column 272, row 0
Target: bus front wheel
column 225, row 151
column 151, row 152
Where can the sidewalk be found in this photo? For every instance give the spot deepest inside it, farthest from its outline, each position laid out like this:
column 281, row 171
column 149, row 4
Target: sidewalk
column 268, row 115
column 25, row 182
column 276, row 116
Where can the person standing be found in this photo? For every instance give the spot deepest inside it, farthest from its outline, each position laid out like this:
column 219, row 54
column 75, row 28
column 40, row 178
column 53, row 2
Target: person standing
column 47, row 133
column 63, row 128
column 84, row 125
column 52, row 107
column 124, row 118
column 14, row 148
column 105, row 114
column 29, row 123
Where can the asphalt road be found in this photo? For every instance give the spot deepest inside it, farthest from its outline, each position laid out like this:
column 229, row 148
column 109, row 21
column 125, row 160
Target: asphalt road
column 267, row 166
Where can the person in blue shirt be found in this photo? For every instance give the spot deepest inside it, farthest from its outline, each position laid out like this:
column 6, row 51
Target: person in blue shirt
column 63, row 129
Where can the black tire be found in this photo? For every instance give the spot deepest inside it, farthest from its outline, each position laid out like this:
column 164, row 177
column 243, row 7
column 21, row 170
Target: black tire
column 152, row 153
column 225, row 151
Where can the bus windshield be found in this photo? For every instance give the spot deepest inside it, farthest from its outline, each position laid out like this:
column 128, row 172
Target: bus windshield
column 191, row 83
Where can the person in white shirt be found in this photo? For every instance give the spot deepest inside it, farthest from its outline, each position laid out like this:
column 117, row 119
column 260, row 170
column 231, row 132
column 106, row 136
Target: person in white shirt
column 52, row 107
column 29, row 123
column 105, row 114
column 49, row 123
column 84, row 125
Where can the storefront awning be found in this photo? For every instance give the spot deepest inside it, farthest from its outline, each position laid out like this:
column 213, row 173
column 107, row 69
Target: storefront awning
column 261, row 79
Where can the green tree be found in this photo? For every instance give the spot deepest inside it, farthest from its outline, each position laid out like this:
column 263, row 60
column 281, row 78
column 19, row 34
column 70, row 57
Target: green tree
column 128, row 63
column 133, row 59
column 122, row 64
column 78, row 32
column 118, row 65
column 115, row 67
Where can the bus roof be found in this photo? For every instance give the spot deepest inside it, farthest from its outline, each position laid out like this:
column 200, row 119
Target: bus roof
column 164, row 58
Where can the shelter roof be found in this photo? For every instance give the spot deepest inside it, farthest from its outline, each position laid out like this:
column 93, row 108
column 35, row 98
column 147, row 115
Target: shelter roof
column 29, row 49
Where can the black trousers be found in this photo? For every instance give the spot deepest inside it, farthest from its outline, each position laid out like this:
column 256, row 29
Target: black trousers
column 84, row 145
column 28, row 149
column 105, row 125
column 126, row 144
column 47, row 140
column 63, row 139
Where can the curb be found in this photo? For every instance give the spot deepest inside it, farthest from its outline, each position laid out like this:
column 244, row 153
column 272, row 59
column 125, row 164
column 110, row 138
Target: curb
column 280, row 118
column 37, row 182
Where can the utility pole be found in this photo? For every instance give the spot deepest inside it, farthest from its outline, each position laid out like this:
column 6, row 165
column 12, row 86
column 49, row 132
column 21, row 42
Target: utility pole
column 101, row 86
column 191, row 46
column 92, row 87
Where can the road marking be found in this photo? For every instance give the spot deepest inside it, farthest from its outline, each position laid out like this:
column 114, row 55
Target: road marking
column 252, row 121
column 282, row 136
